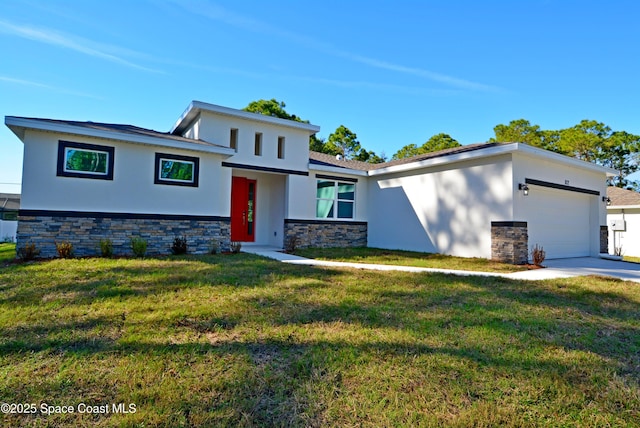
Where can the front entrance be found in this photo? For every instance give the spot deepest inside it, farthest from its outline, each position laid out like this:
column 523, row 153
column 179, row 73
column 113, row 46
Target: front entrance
column 243, row 209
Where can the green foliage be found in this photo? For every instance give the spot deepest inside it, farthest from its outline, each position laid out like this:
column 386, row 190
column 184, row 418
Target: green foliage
column 81, row 160
column 179, row 245
column 236, row 247
column 106, row 247
column 589, row 140
column 214, row 246
column 64, row 249
column 272, row 108
column 370, row 156
column 138, row 246
column 436, row 143
column 343, row 142
column 28, row 252
column 176, row 170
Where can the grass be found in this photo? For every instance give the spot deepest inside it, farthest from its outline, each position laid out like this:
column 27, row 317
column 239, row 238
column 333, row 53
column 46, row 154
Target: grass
column 7, row 252
column 407, row 258
column 238, row 340
column 631, row 259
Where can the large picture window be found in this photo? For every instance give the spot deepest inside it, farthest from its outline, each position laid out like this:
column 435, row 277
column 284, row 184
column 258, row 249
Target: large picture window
column 85, row 160
column 176, row 170
column 335, row 199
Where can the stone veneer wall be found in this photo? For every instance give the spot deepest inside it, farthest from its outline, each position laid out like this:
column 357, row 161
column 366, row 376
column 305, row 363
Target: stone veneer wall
column 604, row 239
column 322, row 233
column 85, row 230
column 509, row 241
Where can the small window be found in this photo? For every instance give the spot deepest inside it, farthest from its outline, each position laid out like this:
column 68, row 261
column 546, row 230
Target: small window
column 233, row 140
column 258, row 144
column 175, row 170
column 335, row 199
column 85, row 160
column 280, row 147
column 9, row 215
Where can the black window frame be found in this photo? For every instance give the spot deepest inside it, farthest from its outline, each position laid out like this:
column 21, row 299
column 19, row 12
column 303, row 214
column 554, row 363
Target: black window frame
column 180, row 158
column 64, row 145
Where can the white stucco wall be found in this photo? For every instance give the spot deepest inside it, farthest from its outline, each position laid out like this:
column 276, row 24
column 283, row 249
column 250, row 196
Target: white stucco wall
column 301, row 203
column 445, row 209
column 628, row 239
column 216, row 129
column 536, row 211
column 132, row 189
column 8, row 230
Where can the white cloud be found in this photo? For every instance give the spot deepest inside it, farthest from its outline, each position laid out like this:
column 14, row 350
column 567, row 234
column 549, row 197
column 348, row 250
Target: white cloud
column 44, row 86
column 74, row 43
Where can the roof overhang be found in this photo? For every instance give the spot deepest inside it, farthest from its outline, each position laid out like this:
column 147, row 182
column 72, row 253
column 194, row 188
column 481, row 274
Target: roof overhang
column 19, row 125
column 623, row 207
column 197, row 107
column 491, row 151
column 337, row 170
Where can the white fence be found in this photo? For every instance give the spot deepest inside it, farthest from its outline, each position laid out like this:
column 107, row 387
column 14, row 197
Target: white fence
column 8, row 230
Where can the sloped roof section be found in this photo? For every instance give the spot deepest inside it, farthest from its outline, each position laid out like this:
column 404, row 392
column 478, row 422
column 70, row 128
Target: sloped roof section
column 316, row 158
column 9, row 201
column 622, row 197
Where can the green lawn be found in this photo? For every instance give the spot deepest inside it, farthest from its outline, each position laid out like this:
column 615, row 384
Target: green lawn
column 7, row 252
column 407, row 258
column 238, row 340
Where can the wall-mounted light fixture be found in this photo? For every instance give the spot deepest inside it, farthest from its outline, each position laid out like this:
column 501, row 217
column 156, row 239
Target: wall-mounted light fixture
column 606, row 200
column 524, row 188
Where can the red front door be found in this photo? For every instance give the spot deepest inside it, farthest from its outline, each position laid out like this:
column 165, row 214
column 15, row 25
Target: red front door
column 243, row 209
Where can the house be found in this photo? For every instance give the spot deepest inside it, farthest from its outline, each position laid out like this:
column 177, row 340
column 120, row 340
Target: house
column 623, row 219
column 9, row 206
column 223, row 175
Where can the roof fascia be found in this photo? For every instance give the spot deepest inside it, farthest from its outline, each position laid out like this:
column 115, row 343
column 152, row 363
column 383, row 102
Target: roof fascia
column 18, row 125
column 337, row 170
column 195, row 107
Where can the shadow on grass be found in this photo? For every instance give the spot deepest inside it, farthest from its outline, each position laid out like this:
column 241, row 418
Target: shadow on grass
column 493, row 324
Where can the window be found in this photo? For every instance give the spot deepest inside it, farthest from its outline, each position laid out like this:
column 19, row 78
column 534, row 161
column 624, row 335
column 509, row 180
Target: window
column 85, row 160
column 9, row 215
column 233, row 139
column 258, row 144
column 176, row 170
column 280, row 147
column 334, row 199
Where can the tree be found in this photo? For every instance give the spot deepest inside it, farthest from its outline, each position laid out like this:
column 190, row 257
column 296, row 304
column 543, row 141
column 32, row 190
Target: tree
column 343, row 142
column 437, row 142
column 518, row 131
column 620, row 152
column 272, row 108
column 370, row 156
column 585, row 141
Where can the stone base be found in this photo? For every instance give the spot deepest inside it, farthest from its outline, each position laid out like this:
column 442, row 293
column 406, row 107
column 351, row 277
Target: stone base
column 85, row 230
column 509, row 242
column 604, row 239
column 324, row 234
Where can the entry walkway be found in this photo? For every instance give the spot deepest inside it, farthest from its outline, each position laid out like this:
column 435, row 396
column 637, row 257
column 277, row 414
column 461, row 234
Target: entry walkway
column 559, row 268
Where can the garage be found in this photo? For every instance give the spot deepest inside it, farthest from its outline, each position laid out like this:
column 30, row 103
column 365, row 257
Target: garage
column 559, row 221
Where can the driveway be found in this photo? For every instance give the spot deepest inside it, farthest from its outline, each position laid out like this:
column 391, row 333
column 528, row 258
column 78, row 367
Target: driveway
column 562, row 268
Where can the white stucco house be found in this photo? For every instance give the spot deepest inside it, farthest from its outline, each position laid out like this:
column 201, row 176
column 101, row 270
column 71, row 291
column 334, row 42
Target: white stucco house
column 224, row 175
column 623, row 219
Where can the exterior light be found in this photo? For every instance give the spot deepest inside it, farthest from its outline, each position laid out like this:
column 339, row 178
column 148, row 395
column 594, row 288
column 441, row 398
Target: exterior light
column 606, row 200
column 524, row 188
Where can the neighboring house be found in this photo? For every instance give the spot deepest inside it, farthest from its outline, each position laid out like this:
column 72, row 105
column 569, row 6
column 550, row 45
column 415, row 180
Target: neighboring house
column 9, row 206
column 223, row 175
column 623, row 218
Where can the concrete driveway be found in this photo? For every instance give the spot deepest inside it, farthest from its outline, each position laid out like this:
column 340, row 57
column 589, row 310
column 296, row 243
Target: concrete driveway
column 560, row 268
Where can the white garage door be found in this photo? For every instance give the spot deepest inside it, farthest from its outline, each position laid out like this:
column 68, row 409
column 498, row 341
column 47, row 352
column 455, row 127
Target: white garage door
column 559, row 222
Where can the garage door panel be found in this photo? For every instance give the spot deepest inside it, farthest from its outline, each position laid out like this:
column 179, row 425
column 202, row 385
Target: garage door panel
column 559, row 221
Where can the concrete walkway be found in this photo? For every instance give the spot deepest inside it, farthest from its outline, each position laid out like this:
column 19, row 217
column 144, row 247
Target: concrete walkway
column 559, row 268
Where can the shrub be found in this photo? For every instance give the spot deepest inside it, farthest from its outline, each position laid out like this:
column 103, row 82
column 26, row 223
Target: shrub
column 139, row 247
column 64, row 249
column 28, row 252
column 214, row 247
column 236, row 247
column 538, row 255
column 617, row 251
column 291, row 244
column 179, row 245
column 106, row 247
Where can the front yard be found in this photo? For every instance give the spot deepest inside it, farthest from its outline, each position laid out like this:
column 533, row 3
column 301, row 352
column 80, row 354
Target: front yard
column 407, row 258
column 238, row 340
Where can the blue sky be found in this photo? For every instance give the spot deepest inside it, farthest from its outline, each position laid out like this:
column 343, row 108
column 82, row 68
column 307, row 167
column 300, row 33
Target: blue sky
column 394, row 72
